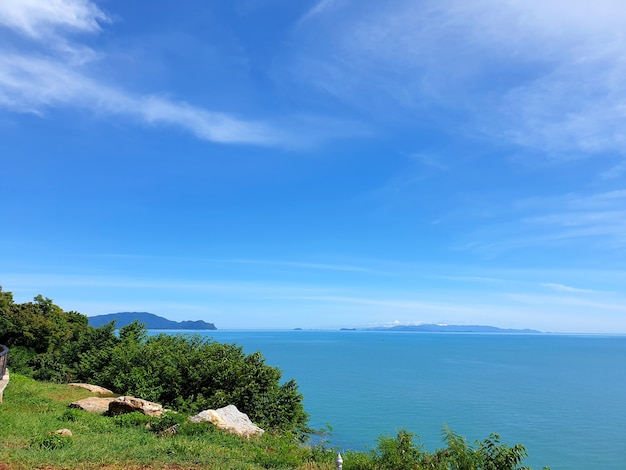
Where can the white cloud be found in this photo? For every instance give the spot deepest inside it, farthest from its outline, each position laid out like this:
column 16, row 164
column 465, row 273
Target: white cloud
column 52, row 74
column 564, row 288
column 305, row 265
column 319, row 8
column 596, row 220
column 39, row 19
column 545, row 75
column 29, row 84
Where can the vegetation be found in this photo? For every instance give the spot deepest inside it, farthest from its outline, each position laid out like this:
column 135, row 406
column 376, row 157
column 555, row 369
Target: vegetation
column 187, row 373
column 31, row 410
column 184, row 372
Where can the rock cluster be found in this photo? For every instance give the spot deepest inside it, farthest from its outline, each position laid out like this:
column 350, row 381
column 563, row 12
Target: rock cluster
column 228, row 418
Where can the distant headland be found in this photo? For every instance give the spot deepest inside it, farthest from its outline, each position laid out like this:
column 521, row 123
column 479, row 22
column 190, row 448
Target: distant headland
column 152, row 321
column 432, row 328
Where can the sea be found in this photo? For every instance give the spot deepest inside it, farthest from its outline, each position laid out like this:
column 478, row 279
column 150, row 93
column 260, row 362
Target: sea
column 562, row 396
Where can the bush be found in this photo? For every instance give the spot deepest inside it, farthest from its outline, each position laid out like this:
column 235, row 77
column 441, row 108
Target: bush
column 191, row 374
column 401, row 453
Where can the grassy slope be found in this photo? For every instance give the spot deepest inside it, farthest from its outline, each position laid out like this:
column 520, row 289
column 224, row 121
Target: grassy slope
column 32, row 409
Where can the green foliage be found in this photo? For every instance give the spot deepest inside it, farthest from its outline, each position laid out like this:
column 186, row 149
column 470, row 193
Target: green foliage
column 39, row 325
column 132, row 420
column 496, row 456
column 402, row 453
column 71, row 415
column 189, row 373
column 167, row 421
column 99, row 443
column 53, row 442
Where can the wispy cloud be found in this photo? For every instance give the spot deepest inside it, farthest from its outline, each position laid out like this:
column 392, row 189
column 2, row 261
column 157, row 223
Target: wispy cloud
column 400, row 304
column 564, row 288
column 305, row 265
column 474, row 279
column 597, row 219
column 319, row 8
column 52, row 73
column 546, row 76
column 29, row 84
column 41, row 20
column 569, row 301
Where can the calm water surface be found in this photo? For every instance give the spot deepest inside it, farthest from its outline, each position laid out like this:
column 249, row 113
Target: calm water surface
column 563, row 397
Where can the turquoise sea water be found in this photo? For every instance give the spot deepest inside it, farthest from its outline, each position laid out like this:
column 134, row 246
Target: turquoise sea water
column 562, row 396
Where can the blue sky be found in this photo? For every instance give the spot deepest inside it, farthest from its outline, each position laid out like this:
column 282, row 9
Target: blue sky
column 317, row 164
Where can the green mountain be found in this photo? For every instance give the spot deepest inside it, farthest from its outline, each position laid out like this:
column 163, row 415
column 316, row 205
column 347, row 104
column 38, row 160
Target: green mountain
column 152, row 321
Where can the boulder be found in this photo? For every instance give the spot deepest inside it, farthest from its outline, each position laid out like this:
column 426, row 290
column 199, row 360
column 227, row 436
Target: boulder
column 93, row 404
column 230, row 419
column 97, row 389
column 121, row 405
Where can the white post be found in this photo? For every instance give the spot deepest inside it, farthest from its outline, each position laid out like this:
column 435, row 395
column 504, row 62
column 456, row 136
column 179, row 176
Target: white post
column 339, row 462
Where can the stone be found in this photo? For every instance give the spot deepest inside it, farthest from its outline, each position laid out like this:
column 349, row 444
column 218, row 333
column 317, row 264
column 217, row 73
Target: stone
column 93, row 404
column 63, row 432
column 230, row 419
column 97, row 389
column 121, row 405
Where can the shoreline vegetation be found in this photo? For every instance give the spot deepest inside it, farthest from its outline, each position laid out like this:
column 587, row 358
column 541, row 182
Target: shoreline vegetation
column 50, row 348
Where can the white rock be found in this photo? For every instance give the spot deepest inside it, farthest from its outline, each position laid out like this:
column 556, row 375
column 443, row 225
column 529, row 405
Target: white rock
column 230, row 419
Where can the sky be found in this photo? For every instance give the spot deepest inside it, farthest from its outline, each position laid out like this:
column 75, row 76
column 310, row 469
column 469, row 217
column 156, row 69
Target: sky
column 317, row 164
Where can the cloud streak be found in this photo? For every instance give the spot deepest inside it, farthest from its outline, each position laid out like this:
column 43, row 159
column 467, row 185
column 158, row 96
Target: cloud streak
column 308, row 266
column 56, row 77
column 597, row 219
column 564, row 288
column 41, row 20
column 545, row 76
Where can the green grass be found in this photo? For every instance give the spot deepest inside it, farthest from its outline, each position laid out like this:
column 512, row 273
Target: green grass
column 31, row 410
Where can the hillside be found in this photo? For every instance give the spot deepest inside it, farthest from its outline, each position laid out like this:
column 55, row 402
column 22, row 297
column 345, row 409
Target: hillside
column 152, row 321
column 32, row 411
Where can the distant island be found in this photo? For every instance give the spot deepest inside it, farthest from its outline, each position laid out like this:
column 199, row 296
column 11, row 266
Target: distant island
column 432, row 328
column 152, row 321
